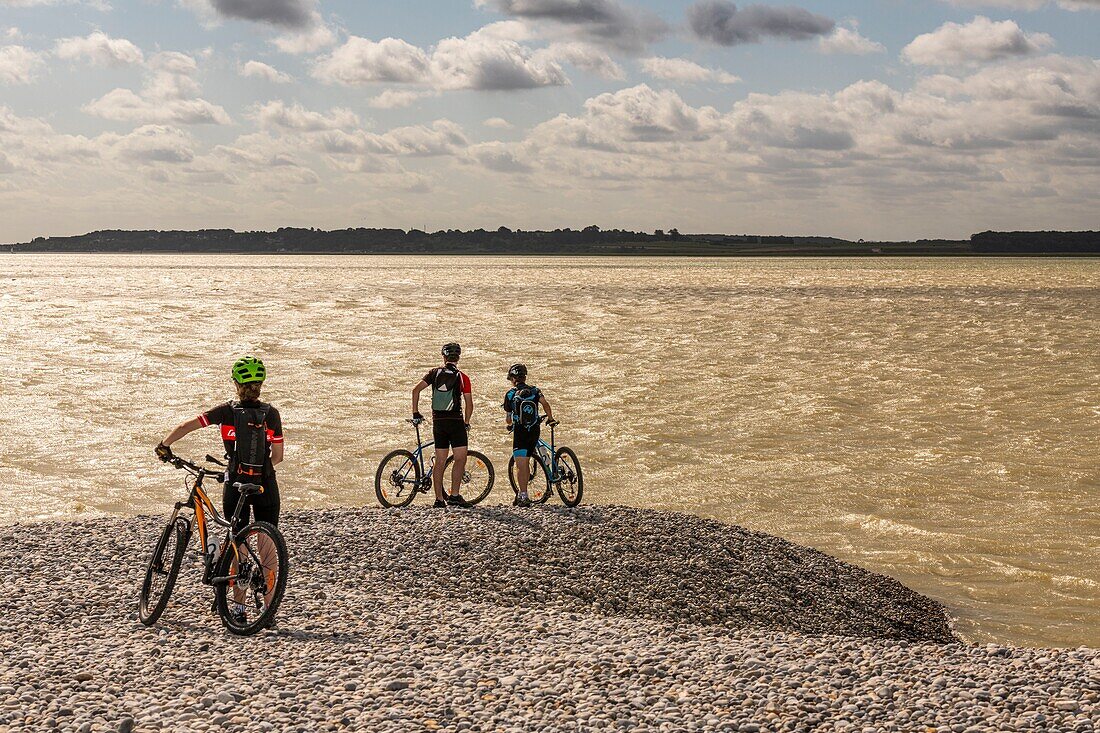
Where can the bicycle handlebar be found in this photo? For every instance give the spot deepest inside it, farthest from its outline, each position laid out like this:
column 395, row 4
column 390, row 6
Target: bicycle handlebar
column 194, row 469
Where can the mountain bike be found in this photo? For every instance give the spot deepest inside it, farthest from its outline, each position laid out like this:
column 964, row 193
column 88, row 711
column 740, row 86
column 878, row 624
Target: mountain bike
column 560, row 468
column 248, row 570
column 403, row 474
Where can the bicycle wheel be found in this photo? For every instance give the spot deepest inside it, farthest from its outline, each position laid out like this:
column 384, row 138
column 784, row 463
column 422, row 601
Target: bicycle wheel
column 477, row 479
column 571, row 480
column 537, row 490
column 397, row 478
column 250, row 581
column 161, row 572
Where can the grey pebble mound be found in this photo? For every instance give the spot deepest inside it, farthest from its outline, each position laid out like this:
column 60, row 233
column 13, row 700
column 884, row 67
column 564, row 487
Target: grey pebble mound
column 599, row 618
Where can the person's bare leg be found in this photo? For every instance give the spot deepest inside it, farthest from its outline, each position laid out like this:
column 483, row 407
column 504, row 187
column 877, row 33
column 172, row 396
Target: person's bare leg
column 269, row 559
column 437, row 472
column 523, row 473
column 458, row 469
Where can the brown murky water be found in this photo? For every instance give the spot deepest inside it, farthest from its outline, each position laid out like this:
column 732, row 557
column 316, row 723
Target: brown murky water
column 932, row 419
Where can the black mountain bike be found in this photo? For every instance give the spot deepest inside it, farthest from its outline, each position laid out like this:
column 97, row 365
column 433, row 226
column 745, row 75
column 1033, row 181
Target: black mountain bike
column 403, row 474
column 560, row 467
column 248, row 570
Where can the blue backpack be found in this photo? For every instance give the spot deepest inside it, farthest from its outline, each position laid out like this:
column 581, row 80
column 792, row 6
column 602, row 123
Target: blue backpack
column 525, row 406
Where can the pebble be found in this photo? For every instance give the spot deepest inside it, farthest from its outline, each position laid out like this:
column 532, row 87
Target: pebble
column 597, row 618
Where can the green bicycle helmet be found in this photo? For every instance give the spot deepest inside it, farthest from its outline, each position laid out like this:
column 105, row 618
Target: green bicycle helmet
column 248, row 370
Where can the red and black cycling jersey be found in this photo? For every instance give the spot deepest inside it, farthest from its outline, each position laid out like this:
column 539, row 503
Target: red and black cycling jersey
column 223, row 415
column 430, row 378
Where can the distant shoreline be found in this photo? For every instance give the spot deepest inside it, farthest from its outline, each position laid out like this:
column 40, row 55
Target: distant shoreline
column 685, row 255
column 588, row 242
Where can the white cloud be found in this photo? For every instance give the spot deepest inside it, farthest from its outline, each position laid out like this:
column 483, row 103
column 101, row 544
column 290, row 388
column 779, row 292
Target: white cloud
column 395, row 98
column 100, row 49
column 18, row 64
column 499, row 157
column 267, row 72
column 584, row 56
column 295, row 117
column 682, row 70
column 486, row 59
column 363, row 61
column 170, row 96
column 101, row 5
column 442, row 137
column 315, row 37
column 1028, row 4
column 848, row 41
column 150, row 144
column 498, row 123
column 980, row 40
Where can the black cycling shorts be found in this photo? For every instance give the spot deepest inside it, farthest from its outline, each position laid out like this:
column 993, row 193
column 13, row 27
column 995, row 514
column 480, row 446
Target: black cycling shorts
column 524, row 441
column 449, row 434
column 265, row 506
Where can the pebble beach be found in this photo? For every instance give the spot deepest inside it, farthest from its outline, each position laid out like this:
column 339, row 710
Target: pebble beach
column 496, row 619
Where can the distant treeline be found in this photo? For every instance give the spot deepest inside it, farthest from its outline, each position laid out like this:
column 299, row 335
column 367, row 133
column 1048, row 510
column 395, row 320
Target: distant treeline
column 588, row 241
column 1037, row 242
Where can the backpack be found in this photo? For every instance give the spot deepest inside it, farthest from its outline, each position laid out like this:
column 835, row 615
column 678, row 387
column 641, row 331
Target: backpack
column 447, row 390
column 525, row 407
column 250, row 443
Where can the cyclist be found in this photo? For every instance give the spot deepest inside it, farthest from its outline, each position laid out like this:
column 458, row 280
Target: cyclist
column 252, row 433
column 452, row 408
column 521, row 403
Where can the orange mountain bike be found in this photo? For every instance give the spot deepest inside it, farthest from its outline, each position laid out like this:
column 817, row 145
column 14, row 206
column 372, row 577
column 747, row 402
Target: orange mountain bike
column 248, row 570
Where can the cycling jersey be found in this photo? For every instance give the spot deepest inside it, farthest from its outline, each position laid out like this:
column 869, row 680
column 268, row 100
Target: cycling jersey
column 455, row 413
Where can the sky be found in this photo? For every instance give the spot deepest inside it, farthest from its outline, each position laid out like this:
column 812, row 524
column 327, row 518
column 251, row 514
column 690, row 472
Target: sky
column 893, row 119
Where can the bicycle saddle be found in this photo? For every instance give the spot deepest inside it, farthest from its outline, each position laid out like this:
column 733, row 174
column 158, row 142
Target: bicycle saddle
column 248, row 488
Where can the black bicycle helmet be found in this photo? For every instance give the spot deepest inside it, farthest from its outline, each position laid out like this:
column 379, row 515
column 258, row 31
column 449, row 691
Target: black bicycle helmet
column 451, row 351
column 519, row 371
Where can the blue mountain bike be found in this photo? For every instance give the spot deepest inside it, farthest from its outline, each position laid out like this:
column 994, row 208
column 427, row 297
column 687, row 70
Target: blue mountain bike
column 403, row 474
column 559, row 467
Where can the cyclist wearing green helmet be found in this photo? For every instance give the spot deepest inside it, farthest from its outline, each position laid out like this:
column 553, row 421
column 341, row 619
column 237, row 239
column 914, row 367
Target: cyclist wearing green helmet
column 252, row 435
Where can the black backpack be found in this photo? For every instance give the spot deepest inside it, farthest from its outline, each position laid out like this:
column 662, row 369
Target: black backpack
column 525, row 407
column 447, row 390
column 250, row 442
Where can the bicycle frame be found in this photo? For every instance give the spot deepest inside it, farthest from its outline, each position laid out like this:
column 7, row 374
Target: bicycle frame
column 203, row 509
column 550, row 472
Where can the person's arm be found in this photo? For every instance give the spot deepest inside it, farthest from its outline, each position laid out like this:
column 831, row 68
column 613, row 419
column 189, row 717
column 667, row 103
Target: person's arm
column 181, row 430
column 468, row 397
column 420, row 387
column 546, row 406
column 275, row 435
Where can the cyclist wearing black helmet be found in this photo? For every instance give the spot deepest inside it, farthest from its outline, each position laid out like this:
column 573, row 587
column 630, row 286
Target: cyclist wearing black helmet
column 452, row 408
column 521, row 403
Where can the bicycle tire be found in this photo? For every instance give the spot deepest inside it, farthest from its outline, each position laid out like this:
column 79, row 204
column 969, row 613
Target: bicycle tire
column 534, row 480
column 483, row 493
column 380, row 488
column 181, row 528
column 573, row 498
column 225, row 569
